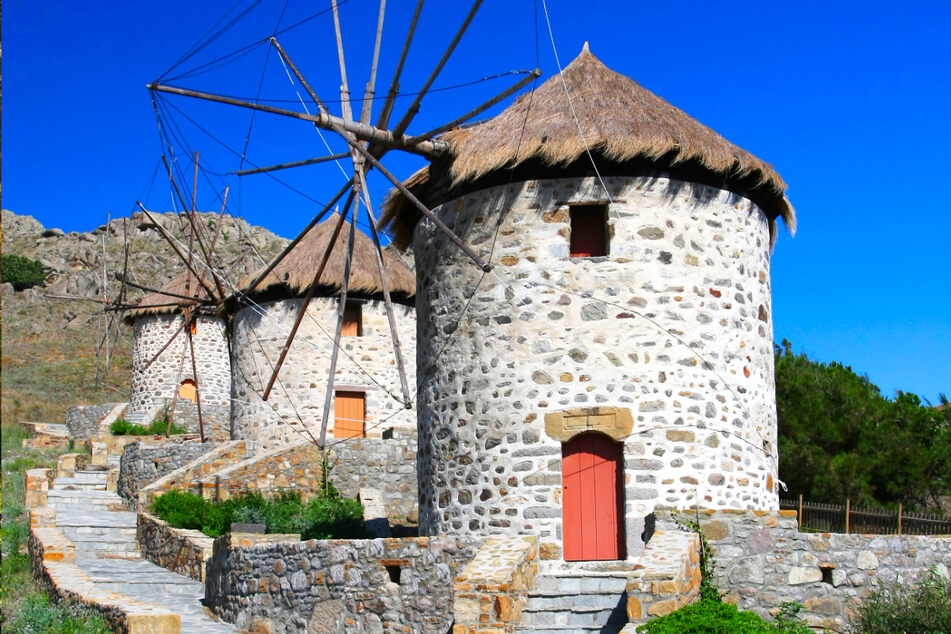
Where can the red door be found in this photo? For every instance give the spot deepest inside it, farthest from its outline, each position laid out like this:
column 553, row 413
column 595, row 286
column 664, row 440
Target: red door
column 590, row 469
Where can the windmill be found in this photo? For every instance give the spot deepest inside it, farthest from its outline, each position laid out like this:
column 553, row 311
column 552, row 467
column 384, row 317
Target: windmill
column 367, row 144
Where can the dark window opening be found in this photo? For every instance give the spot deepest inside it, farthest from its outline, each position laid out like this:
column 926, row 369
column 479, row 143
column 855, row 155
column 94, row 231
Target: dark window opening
column 827, row 574
column 589, row 231
column 352, row 320
column 394, row 572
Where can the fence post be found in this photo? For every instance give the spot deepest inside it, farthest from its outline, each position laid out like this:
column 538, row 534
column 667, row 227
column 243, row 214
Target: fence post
column 899, row 518
column 848, row 509
column 800, row 511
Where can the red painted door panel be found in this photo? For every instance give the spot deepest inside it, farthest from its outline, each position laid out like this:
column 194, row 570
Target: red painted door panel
column 591, row 518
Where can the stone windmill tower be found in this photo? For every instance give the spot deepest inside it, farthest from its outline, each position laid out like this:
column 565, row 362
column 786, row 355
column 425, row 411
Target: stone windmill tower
column 180, row 357
column 619, row 355
column 364, row 382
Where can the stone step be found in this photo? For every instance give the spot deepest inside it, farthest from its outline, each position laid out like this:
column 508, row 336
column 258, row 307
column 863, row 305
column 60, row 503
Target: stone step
column 93, row 480
column 568, row 629
column 77, row 516
column 582, row 582
column 99, row 533
column 137, row 589
column 579, row 617
column 541, row 601
column 83, row 497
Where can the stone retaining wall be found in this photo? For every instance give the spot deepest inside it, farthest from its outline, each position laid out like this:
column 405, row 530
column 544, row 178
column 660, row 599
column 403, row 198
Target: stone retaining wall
column 83, row 420
column 666, row 577
column 336, row 585
column 762, row 560
column 490, row 591
column 187, row 478
column 145, row 461
column 52, row 557
column 386, row 465
column 38, row 483
column 177, row 549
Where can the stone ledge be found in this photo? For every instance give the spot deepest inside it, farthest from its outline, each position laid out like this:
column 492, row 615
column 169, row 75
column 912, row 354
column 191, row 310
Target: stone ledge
column 52, row 557
column 491, row 589
column 666, row 576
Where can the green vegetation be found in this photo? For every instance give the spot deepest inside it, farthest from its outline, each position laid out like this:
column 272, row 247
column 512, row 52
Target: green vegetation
column 325, row 517
column 840, row 438
column 24, row 607
column 714, row 617
column 122, row 427
column 922, row 609
column 21, row 272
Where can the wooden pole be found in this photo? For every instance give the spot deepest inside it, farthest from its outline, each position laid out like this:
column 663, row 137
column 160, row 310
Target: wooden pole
column 848, row 511
column 800, row 511
column 221, row 214
column 899, row 518
column 419, row 205
column 163, row 348
column 414, row 108
column 384, row 284
column 149, row 289
column 370, row 88
column 171, row 241
column 191, row 344
column 344, row 87
column 384, row 119
column 283, row 166
column 340, row 313
column 310, row 295
column 365, row 132
column 277, row 260
column 476, row 111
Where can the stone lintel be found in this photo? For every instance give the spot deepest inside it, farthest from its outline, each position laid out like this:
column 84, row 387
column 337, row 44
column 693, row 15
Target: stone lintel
column 616, row 422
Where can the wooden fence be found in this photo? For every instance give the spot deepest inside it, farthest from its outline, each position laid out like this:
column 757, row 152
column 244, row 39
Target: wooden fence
column 845, row 518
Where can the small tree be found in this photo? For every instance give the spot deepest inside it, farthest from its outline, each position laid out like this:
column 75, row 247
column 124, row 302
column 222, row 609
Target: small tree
column 21, row 272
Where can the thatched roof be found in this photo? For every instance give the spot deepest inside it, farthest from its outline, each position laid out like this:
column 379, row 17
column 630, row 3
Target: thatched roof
column 185, row 284
column 294, row 274
column 621, row 122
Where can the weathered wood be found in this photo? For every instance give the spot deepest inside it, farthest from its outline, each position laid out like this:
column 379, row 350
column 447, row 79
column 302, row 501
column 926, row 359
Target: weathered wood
column 384, row 119
column 221, row 213
column 312, row 289
column 370, row 88
column 149, row 289
column 344, row 87
column 414, row 108
column 384, row 284
column 364, row 132
column 344, row 285
column 201, row 424
column 283, row 254
column 476, row 111
column 284, row 166
column 419, row 205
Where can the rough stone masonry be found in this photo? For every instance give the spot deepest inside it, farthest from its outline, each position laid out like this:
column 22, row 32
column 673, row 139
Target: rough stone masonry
column 664, row 344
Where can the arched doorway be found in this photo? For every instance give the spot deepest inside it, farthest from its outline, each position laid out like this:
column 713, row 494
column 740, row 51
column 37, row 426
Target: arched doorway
column 592, row 503
column 187, row 390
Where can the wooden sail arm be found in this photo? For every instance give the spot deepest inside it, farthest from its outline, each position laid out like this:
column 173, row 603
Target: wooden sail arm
column 365, row 132
column 284, row 166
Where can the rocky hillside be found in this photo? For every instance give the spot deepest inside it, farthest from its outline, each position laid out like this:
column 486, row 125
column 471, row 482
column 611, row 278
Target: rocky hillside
column 51, row 333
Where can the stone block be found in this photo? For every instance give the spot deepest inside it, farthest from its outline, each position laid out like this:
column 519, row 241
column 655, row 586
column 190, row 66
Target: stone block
column 799, row 575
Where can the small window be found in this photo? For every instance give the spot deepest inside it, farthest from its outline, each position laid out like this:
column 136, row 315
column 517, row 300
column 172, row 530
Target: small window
column 193, row 326
column 349, row 412
column 352, row 320
column 188, row 390
column 589, row 231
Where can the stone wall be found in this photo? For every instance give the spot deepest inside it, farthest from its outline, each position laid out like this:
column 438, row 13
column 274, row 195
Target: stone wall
column 761, row 560
column 188, row 477
column 145, row 461
column 667, row 576
column 665, row 345
column 295, row 408
column 160, row 381
column 375, row 585
column 386, row 465
column 177, row 549
column 83, row 420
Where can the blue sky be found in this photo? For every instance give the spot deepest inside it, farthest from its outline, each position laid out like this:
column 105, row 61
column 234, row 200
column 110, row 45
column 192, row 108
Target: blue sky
column 848, row 100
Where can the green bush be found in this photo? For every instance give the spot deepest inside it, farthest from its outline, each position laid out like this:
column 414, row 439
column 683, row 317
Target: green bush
column 714, row 617
column 921, row 609
column 122, row 427
column 326, row 517
column 36, row 615
column 21, row 272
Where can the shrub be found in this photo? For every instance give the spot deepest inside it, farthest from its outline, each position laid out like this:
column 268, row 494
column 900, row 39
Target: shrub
column 713, row 617
column 122, row 427
column 910, row 609
column 334, row 518
column 21, row 272
column 36, row 615
column 182, row 509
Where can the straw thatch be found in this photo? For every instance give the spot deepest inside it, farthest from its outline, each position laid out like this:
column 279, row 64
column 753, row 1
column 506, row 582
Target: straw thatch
column 184, row 284
column 621, row 122
column 294, row 274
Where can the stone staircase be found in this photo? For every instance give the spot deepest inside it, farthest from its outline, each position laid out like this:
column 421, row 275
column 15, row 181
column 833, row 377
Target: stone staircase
column 103, row 533
column 569, row 598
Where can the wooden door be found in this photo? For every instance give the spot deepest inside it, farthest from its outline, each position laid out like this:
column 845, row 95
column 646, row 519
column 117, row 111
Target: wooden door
column 187, row 390
column 588, row 232
column 590, row 471
column 349, row 412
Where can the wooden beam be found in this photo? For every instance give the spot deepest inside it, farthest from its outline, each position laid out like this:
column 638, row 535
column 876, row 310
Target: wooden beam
column 370, row 88
column 340, row 313
column 364, row 132
column 171, row 241
column 284, row 166
column 310, row 295
column 384, row 119
column 191, row 344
